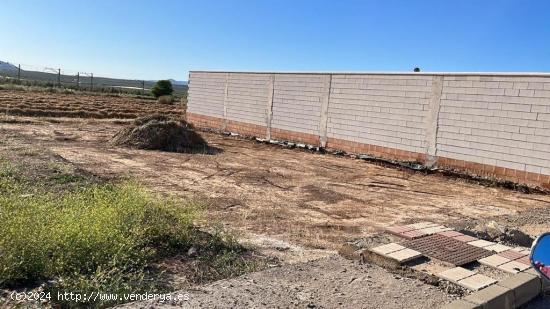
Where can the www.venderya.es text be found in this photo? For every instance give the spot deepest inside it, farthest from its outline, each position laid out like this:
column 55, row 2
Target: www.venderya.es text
column 97, row 296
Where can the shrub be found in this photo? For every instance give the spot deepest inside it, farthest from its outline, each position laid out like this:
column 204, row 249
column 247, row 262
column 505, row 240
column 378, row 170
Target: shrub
column 162, row 87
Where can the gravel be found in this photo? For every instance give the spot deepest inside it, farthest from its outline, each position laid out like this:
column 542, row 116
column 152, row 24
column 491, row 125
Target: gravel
column 324, row 283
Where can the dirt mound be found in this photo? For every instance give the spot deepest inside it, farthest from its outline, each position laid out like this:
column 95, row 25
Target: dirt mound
column 160, row 132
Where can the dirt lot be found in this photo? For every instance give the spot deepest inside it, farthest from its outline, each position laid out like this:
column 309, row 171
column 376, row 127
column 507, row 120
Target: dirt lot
column 295, row 205
column 316, row 200
column 27, row 103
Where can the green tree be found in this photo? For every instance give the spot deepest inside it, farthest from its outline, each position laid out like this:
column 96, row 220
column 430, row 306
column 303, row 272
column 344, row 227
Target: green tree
column 162, row 87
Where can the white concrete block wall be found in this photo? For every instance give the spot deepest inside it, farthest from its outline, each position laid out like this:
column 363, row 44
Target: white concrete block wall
column 247, row 97
column 206, row 93
column 496, row 120
column 297, row 102
column 382, row 110
column 500, row 120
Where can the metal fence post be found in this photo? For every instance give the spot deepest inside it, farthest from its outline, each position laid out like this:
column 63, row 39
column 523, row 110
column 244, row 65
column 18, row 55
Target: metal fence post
column 142, row 87
column 92, row 81
column 58, row 77
column 77, row 80
column 19, row 72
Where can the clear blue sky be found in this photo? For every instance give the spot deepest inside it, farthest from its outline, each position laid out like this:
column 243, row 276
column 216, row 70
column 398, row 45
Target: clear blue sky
column 166, row 39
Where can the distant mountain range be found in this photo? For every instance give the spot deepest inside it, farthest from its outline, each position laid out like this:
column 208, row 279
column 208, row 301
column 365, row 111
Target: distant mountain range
column 84, row 80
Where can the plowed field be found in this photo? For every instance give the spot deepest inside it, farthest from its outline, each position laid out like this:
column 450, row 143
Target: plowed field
column 27, row 103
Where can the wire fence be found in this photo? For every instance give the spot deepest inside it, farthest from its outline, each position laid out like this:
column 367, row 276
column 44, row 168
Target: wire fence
column 57, row 77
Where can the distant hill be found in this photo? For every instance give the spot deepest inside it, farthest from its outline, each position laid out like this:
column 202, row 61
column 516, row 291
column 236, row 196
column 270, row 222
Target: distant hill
column 178, row 82
column 173, row 81
column 85, row 80
column 7, row 67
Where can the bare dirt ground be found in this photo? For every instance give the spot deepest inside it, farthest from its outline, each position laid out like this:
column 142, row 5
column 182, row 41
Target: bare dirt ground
column 295, row 205
column 316, row 200
column 332, row 282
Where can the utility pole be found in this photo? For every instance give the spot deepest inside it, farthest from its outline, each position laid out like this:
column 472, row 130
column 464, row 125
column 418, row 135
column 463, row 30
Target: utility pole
column 19, row 72
column 77, row 80
column 92, row 81
column 58, row 77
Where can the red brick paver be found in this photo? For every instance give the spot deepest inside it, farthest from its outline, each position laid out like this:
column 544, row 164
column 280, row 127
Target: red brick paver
column 465, row 238
column 512, row 255
column 450, row 233
column 524, row 260
column 412, row 234
column 398, row 229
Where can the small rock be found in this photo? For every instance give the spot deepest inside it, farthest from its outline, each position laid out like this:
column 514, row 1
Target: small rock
column 192, row 252
column 495, row 230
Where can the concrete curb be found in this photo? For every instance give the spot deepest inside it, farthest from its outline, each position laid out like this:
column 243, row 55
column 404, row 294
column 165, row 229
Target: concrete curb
column 511, row 292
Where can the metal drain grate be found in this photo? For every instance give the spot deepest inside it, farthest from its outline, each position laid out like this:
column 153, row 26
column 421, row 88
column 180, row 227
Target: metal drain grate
column 447, row 249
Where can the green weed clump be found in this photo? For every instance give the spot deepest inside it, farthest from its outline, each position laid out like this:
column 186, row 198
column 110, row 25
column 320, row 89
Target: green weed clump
column 102, row 237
